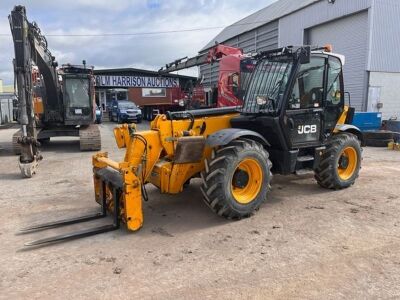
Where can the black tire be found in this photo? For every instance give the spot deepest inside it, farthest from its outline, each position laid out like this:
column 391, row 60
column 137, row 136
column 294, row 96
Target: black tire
column 219, row 174
column 119, row 119
column 378, row 135
column 378, row 142
column 327, row 173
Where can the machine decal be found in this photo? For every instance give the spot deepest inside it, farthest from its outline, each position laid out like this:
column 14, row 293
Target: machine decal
column 305, row 129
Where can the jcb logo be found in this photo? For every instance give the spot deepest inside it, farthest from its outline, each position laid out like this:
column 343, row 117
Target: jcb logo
column 305, row 129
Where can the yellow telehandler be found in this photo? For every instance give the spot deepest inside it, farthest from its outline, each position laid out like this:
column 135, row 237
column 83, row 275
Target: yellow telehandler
column 293, row 118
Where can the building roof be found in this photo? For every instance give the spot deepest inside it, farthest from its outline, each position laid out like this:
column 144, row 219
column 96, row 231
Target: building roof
column 137, row 71
column 266, row 15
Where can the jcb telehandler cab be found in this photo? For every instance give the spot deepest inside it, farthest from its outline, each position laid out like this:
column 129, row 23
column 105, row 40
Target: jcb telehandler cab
column 293, row 118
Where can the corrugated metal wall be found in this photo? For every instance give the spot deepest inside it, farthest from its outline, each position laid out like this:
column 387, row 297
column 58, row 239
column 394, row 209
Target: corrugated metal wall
column 291, row 27
column 385, row 39
column 262, row 38
column 349, row 36
column 352, row 41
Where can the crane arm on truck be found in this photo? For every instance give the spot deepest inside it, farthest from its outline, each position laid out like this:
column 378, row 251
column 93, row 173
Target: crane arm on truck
column 214, row 54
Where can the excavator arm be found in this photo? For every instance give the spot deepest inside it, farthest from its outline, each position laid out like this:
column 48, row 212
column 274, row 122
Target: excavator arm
column 30, row 46
column 29, row 152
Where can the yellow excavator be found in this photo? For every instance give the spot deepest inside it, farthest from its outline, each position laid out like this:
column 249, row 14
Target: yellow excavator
column 293, row 118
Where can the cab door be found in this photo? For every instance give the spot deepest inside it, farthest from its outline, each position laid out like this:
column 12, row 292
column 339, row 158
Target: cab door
column 303, row 118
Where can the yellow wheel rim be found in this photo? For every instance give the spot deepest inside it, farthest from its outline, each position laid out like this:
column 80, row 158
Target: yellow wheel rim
column 347, row 163
column 246, row 189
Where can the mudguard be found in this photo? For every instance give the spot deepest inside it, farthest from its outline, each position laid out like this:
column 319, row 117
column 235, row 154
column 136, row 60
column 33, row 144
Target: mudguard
column 352, row 129
column 225, row 136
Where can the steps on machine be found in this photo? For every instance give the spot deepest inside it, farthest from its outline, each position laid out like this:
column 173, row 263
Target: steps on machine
column 305, row 158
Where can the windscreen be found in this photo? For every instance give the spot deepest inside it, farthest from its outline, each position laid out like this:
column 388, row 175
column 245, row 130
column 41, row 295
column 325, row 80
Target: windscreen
column 126, row 105
column 267, row 86
column 77, row 92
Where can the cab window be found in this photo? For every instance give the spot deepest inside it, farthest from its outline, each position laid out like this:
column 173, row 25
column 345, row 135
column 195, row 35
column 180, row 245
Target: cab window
column 308, row 89
column 233, row 83
column 334, row 94
column 334, row 90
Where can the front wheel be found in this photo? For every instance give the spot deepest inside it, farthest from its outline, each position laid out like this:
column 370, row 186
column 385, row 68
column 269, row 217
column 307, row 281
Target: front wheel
column 340, row 163
column 237, row 179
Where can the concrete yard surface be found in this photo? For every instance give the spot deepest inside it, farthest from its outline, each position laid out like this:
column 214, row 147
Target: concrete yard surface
column 304, row 243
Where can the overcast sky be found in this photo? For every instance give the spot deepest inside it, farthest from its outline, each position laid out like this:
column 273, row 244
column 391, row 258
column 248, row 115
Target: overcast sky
column 123, row 16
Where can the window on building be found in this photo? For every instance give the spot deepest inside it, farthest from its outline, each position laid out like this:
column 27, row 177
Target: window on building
column 113, row 94
column 122, row 95
column 154, row 92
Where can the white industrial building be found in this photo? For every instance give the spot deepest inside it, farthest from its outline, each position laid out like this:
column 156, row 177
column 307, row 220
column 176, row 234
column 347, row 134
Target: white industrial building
column 367, row 32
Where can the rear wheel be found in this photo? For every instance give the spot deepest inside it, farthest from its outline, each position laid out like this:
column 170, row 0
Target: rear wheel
column 341, row 162
column 237, row 179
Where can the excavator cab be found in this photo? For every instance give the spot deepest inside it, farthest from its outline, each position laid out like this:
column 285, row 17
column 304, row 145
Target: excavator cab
column 78, row 95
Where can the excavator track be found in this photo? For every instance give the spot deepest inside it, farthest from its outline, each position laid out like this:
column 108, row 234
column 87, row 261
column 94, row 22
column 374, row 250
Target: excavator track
column 16, row 148
column 90, row 138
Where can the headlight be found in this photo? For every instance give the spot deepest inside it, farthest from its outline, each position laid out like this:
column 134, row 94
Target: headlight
column 181, row 103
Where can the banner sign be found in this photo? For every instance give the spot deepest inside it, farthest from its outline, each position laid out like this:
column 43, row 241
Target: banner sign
column 136, row 81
